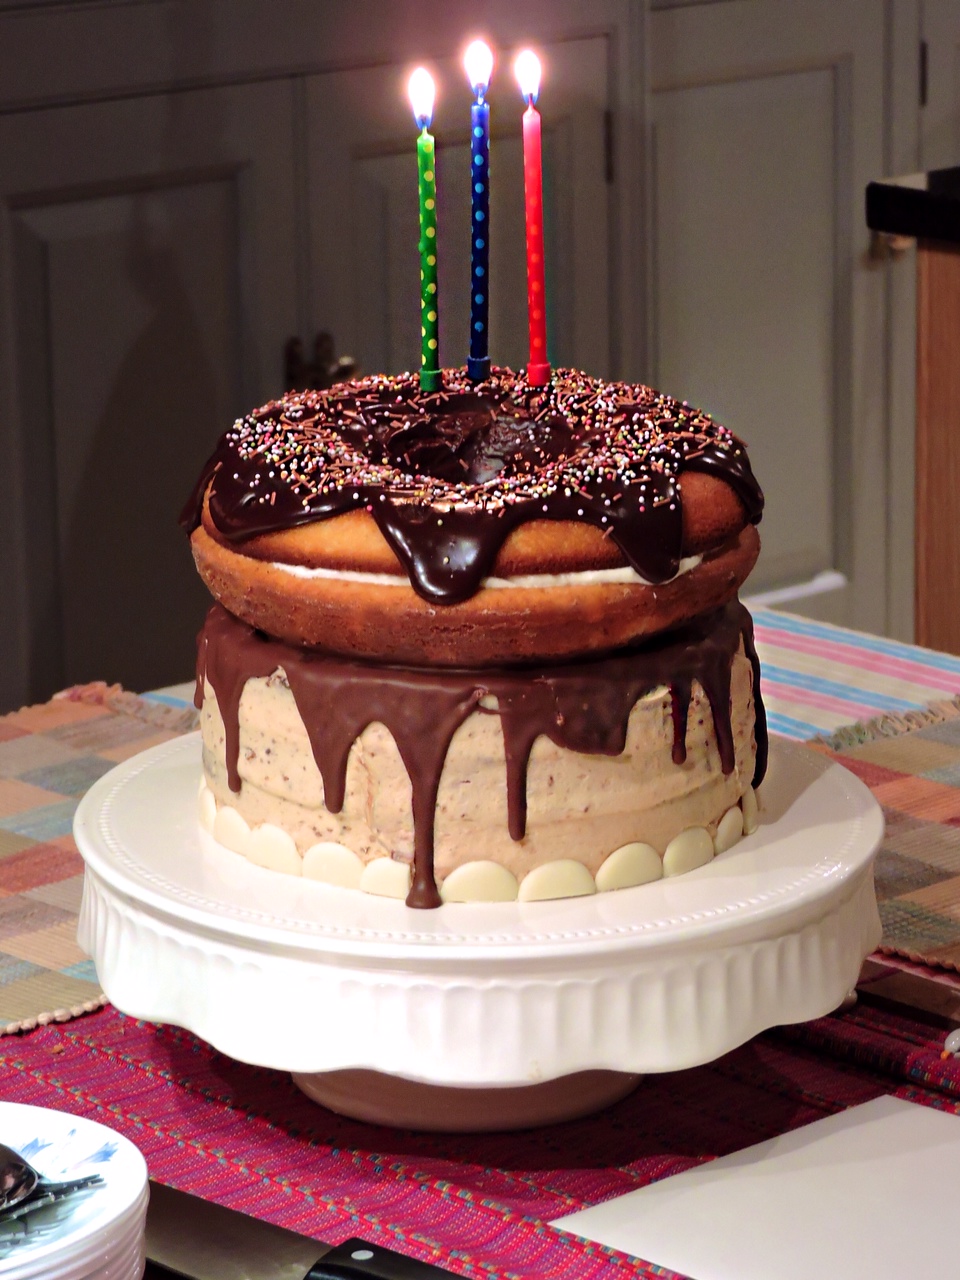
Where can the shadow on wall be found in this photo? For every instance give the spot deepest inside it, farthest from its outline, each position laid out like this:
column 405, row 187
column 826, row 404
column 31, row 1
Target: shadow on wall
column 132, row 602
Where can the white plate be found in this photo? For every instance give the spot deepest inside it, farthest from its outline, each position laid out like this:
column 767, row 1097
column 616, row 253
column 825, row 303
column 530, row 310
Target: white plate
column 97, row 1228
column 308, row 977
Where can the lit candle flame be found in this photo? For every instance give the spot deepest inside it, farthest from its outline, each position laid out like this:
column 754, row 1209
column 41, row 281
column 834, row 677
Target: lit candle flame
column 422, row 93
column 527, row 70
column 478, row 64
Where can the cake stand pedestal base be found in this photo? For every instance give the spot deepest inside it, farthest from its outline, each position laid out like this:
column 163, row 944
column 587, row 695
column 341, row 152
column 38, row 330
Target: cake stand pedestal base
column 378, row 1098
column 477, row 1015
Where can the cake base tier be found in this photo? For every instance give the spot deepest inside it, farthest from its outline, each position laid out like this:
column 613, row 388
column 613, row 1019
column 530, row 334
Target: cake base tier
column 309, row 978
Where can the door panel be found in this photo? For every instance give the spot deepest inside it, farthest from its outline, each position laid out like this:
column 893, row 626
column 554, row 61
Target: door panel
column 744, row 280
column 940, row 118
column 769, row 120
column 149, row 248
column 131, row 428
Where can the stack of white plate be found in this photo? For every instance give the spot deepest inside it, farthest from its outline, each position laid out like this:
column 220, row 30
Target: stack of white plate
column 92, row 1234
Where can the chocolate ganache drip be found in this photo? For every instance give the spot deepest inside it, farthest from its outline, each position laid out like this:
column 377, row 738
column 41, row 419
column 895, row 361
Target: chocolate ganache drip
column 447, row 476
column 581, row 706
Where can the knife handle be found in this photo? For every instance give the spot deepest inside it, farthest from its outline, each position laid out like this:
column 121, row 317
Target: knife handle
column 360, row 1260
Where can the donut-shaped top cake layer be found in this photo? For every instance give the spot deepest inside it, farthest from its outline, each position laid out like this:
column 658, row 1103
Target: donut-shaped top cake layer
column 448, row 476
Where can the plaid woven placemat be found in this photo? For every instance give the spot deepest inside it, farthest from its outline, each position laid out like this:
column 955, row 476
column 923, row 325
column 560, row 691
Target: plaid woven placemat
column 49, row 756
column 911, row 763
column 479, row 1205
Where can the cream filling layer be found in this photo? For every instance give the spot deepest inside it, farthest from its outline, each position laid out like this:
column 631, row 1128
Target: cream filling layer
column 582, row 578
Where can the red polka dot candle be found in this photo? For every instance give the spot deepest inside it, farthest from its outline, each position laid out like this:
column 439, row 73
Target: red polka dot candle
column 422, row 94
column 478, row 64
column 527, row 70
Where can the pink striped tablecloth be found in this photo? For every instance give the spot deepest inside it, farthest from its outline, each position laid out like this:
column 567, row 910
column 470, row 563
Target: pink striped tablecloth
column 817, row 678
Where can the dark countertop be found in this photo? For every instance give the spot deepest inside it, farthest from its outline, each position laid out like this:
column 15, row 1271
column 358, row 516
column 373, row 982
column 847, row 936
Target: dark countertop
column 923, row 205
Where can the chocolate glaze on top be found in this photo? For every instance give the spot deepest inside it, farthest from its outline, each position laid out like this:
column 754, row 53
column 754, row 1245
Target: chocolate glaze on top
column 581, row 706
column 448, row 475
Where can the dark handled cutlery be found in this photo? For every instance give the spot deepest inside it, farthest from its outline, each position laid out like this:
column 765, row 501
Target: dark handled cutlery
column 192, row 1239
column 22, row 1189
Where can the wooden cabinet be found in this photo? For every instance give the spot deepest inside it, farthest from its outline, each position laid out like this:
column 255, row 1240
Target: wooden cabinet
column 938, row 446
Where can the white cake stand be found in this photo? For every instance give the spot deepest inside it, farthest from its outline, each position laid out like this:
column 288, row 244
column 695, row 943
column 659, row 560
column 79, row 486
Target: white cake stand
column 475, row 1015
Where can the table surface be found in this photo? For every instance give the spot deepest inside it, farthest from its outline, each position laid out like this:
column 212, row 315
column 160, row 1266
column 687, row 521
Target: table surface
column 889, row 711
column 817, row 679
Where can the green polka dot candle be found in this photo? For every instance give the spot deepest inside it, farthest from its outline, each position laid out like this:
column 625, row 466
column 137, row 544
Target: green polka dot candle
column 422, row 94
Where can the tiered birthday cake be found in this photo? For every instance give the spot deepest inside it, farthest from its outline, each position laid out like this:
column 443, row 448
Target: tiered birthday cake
column 478, row 643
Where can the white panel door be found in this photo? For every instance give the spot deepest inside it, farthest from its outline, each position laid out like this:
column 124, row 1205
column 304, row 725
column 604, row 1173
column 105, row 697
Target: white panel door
column 193, row 185
column 149, row 271
column 768, row 121
column 940, row 117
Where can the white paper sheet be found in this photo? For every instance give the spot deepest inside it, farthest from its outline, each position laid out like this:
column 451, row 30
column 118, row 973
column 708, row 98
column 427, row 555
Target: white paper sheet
column 869, row 1194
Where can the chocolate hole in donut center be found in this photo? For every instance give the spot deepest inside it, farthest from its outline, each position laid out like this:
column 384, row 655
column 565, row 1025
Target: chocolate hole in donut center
column 471, row 441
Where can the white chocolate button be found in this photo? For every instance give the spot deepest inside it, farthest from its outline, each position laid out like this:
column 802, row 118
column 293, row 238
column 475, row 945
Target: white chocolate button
column 564, row 878
column 386, row 877
column 480, row 881
column 729, row 830
column 690, row 849
column 631, row 864
column 333, row 863
column 208, row 808
column 748, row 803
column 230, row 828
column 272, row 848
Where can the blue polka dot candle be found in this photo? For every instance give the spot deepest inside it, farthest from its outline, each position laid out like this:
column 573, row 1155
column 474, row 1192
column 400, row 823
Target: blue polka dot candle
column 422, row 94
column 478, row 64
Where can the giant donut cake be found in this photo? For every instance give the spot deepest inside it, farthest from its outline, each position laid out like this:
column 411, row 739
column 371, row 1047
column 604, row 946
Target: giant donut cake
column 478, row 643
